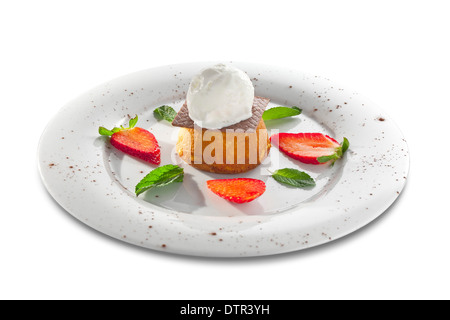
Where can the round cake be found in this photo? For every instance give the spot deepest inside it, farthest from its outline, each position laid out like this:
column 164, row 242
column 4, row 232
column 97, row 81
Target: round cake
column 221, row 125
column 220, row 151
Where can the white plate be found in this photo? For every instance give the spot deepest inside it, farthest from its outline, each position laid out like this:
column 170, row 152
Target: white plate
column 95, row 182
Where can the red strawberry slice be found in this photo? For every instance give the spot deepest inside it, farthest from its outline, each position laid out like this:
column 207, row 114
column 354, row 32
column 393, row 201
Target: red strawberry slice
column 311, row 148
column 135, row 141
column 238, row 190
column 139, row 143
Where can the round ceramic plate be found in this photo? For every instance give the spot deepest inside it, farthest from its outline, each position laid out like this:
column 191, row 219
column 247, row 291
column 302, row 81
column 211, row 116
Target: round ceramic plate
column 95, row 182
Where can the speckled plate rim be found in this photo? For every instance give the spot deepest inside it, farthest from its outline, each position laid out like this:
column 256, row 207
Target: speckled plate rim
column 373, row 176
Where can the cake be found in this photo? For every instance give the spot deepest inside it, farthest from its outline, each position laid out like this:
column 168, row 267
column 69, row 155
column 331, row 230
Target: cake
column 221, row 125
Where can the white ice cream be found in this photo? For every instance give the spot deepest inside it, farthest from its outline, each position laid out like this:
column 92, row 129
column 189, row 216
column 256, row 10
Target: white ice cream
column 220, row 96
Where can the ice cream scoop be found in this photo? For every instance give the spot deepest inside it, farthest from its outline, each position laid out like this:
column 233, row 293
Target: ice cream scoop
column 220, row 96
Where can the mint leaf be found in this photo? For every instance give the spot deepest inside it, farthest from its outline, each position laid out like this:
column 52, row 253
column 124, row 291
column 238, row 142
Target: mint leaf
column 165, row 113
column 132, row 122
column 281, row 112
column 294, row 178
column 159, row 177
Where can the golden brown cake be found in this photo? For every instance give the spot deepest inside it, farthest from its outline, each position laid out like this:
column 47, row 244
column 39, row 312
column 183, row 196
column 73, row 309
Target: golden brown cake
column 237, row 152
column 234, row 149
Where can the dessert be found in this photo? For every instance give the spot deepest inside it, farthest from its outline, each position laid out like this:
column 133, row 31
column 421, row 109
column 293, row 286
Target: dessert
column 222, row 130
column 221, row 125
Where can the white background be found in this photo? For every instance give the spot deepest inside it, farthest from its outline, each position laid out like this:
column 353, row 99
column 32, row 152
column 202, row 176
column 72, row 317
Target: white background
column 394, row 52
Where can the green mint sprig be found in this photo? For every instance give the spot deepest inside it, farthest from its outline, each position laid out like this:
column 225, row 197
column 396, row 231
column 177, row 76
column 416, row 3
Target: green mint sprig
column 293, row 178
column 165, row 113
column 281, row 112
column 159, row 177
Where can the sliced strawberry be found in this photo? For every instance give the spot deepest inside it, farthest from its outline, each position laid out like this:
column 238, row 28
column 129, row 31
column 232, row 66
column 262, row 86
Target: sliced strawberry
column 311, row 148
column 239, row 190
column 139, row 143
column 135, row 141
